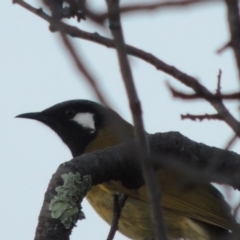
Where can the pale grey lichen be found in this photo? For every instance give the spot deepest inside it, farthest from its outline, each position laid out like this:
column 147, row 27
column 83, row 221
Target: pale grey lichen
column 65, row 206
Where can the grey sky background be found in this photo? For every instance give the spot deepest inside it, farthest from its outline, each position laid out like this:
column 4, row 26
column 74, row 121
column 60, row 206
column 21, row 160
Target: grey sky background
column 36, row 72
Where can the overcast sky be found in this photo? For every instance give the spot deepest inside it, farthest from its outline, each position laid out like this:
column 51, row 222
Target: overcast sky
column 36, row 72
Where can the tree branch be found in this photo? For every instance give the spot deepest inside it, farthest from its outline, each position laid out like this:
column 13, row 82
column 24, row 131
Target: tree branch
column 100, row 18
column 135, row 106
column 191, row 96
column 201, row 117
column 119, row 163
column 119, row 202
column 231, row 142
column 83, row 70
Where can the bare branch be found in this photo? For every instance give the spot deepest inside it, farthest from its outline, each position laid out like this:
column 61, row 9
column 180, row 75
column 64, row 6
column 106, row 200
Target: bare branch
column 135, row 106
column 80, row 66
column 120, row 163
column 83, row 70
column 218, row 91
column 224, row 47
column 201, row 117
column 100, row 18
column 231, row 142
column 119, row 202
column 217, row 97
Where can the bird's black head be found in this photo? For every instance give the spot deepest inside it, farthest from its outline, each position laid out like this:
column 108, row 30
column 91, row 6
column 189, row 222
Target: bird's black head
column 80, row 123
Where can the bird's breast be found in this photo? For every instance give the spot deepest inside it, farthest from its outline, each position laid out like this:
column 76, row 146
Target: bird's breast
column 135, row 221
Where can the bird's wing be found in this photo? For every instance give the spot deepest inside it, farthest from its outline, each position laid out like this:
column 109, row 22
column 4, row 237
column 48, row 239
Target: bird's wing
column 201, row 202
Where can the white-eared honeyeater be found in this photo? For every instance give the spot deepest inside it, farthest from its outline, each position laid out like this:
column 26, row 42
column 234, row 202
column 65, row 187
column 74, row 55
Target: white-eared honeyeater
column 197, row 214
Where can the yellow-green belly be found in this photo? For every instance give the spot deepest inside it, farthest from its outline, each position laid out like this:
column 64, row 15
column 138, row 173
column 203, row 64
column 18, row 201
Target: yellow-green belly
column 135, row 221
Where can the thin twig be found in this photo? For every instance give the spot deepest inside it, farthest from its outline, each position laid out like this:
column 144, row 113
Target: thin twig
column 218, row 91
column 69, row 46
column 223, row 48
column 119, row 201
column 100, row 18
column 201, row 117
column 231, row 142
column 217, row 97
column 83, row 69
column 80, row 66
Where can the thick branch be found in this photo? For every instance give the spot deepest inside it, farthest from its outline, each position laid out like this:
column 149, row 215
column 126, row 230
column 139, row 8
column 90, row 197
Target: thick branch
column 116, row 166
column 169, row 150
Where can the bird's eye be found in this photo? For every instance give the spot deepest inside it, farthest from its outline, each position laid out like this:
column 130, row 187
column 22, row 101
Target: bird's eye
column 70, row 113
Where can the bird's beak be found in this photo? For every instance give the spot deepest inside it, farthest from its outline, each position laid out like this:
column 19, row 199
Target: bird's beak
column 34, row 115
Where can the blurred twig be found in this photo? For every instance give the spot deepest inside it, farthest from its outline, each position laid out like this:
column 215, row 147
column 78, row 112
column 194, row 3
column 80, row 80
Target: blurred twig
column 119, row 202
column 186, row 96
column 135, row 106
column 201, row 117
column 210, row 97
column 83, row 69
column 231, row 142
column 100, row 18
column 223, row 48
column 80, row 66
column 219, row 78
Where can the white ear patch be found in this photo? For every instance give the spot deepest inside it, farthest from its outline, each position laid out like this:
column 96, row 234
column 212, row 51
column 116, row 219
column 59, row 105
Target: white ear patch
column 86, row 120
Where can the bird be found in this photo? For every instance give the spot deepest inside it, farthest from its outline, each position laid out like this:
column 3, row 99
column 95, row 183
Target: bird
column 200, row 213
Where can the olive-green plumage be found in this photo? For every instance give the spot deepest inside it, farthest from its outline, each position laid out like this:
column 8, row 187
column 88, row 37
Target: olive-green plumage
column 196, row 214
column 187, row 214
